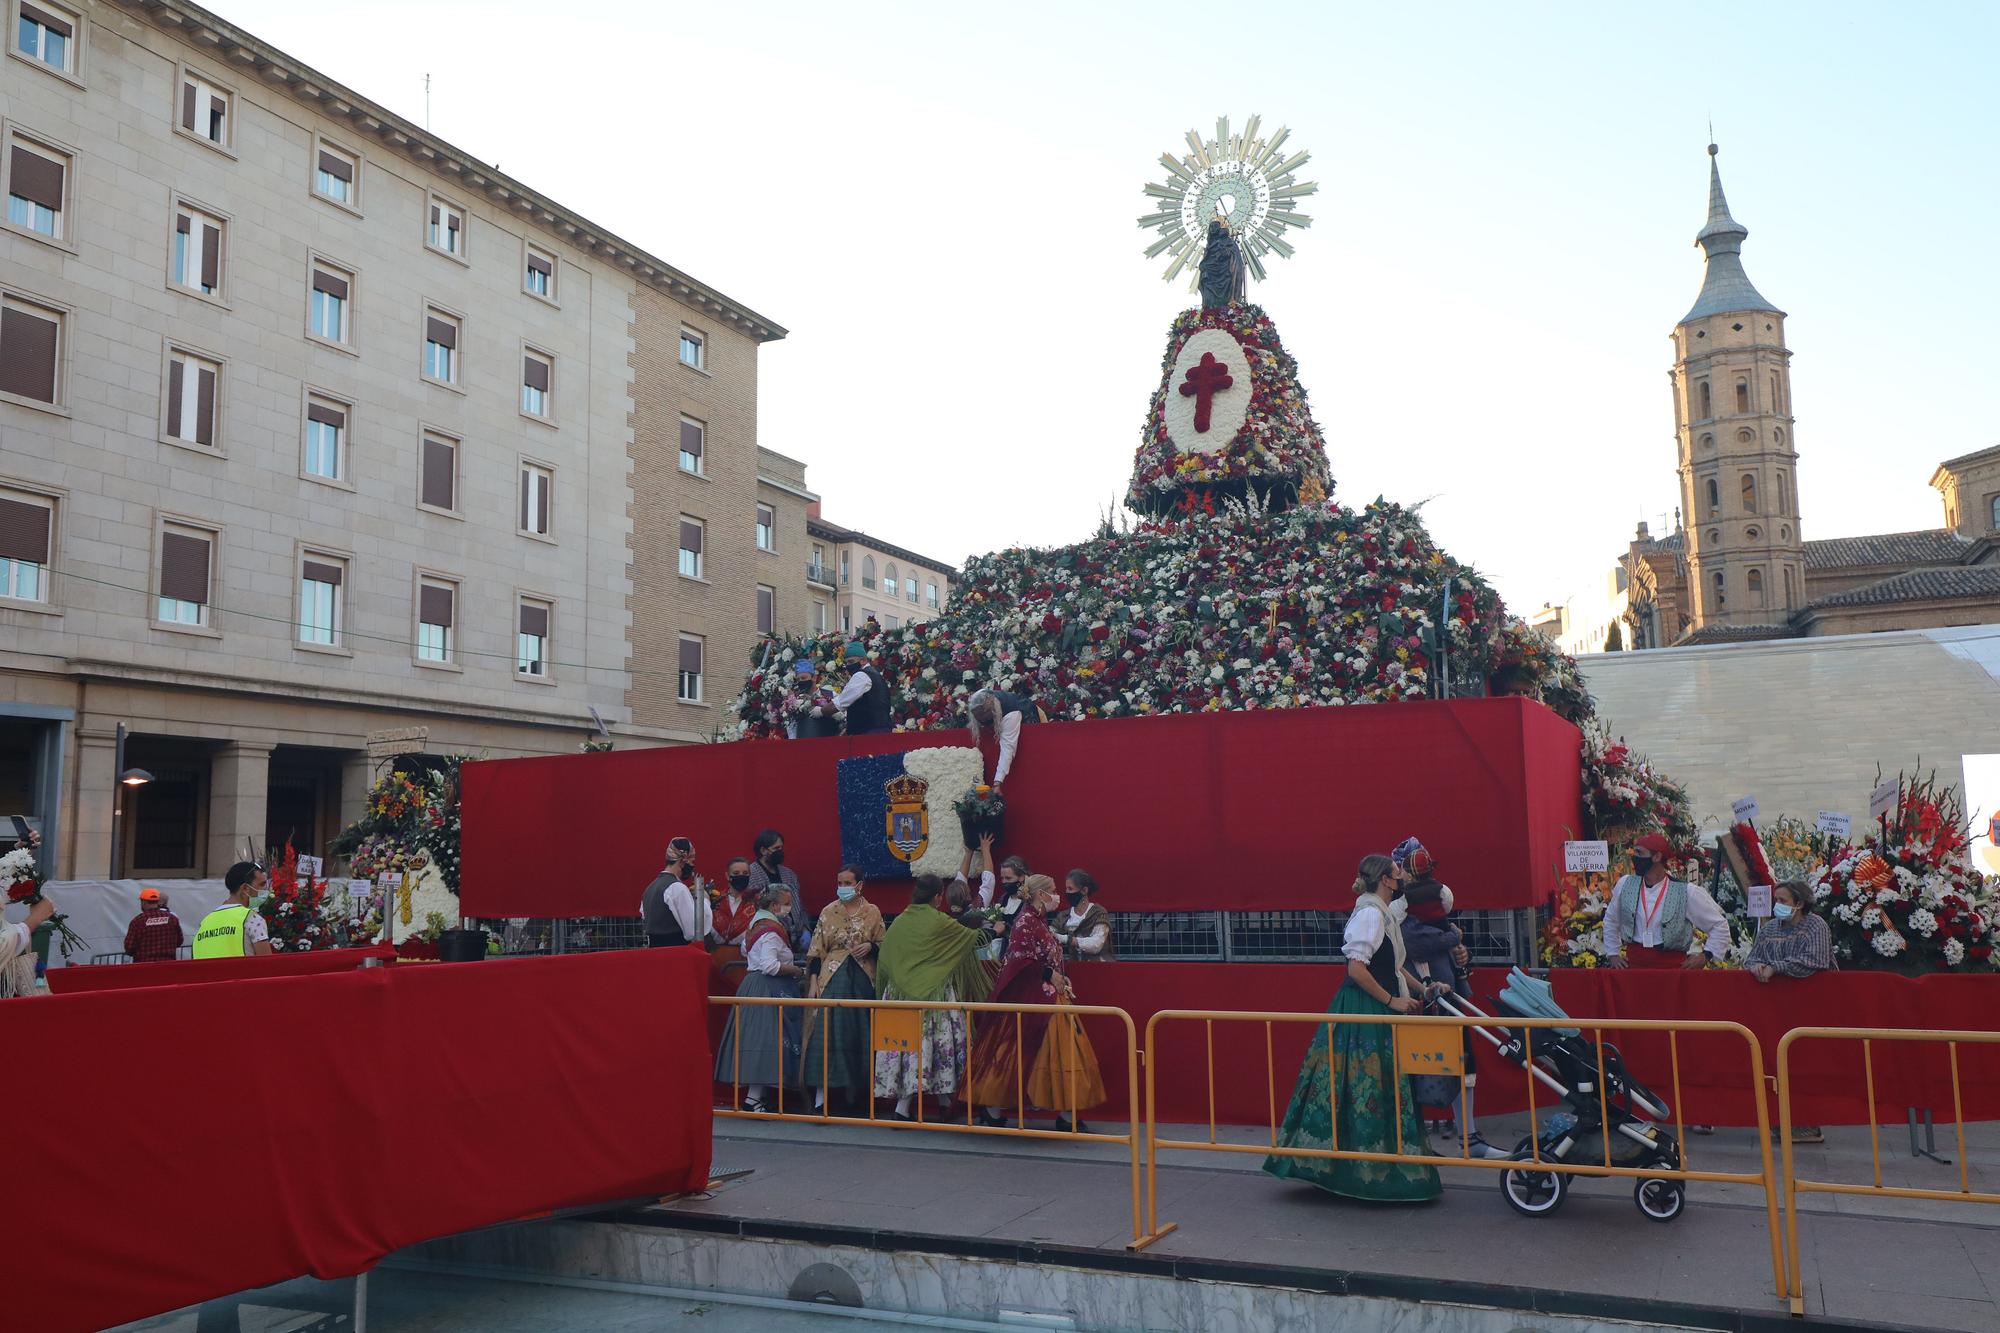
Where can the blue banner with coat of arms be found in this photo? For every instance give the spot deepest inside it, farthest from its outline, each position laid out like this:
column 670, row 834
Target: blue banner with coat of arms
column 896, row 808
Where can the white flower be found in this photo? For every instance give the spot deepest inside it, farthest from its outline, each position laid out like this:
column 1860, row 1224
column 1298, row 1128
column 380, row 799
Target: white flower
column 17, row 864
column 1923, row 922
column 1872, row 917
column 1888, row 944
column 1954, row 952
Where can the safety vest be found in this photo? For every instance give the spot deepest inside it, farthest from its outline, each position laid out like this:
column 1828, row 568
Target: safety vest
column 220, row 934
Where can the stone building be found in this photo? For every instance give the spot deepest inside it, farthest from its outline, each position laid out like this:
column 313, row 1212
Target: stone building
column 861, row 576
column 313, row 426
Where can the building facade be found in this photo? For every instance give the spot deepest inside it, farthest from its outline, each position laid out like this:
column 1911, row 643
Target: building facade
column 859, row 576
column 313, row 427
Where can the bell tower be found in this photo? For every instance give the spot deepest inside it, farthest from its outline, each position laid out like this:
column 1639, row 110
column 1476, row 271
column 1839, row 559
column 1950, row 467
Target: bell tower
column 1732, row 384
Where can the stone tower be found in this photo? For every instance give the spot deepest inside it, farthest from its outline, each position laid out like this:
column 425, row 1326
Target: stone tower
column 1733, row 415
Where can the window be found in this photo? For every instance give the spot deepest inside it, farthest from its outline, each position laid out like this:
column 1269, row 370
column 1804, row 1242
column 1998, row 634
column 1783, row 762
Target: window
column 1749, row 493
column 30, row 344
column 326, row 303
column 1707, row 407
column 26, row 524
column 47, row 35
column 1753, row 533
column 1784, row 495
column 690, row 673
column 767, row 528
column 819, row 617
column 846, row 620
column 531, row 639
column 1756, row 581
column 37, row 182
column 1742, row 395
column 184, row 575
column 767, row 609
column 890, row 622
column 1717, row 579
column 193, row 393
column 537, row 371
column 843, row 569
column 335, row 176
column 197, row 264
column 540, row 277
column 930, row 596
column 326, row 438
column 205, row 110
column 693, row 349
column 440, row 347
column 447, row 229
column 693, row 433
column 1993, row 514
column 538, row 486
column 320, row 579
column 436, row 602
column 1791, row 589
column 889, row 579
column 437, row 484
column 910, row 587
column 690, row 547
column 868, row 572
column 1776, row 405
column 1714, row 496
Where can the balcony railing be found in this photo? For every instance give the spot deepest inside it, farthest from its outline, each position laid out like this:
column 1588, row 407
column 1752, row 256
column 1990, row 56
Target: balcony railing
column 819, row 574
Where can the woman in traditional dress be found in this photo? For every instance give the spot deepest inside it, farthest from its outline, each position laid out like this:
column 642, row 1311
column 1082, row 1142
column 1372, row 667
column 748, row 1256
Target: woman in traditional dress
column 928, row 956
column 760, row 1044
column 1027, row 1057
column 1353, row 1074
column 1085, row 932
column 841, row 963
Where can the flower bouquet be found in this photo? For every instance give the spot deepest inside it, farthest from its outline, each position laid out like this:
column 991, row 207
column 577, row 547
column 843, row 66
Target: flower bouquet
column 23, row 878
column 981, row 810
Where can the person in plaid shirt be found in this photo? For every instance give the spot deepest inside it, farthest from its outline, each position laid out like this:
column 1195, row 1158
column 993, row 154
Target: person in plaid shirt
column 155, row 934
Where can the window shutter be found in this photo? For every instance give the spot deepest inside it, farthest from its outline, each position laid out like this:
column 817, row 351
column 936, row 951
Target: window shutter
column 319, row 573
column 338, row 168
column 543, row 497
column 441, row 332
column 24, row 531
column 332, row 286
column 211, row 256
column 691, row 536
column 535, row 620
column 434, row 604
column 767, row 517
column 217, row 106
column 537, row 264
column 434, row 215
column 184, row 568
column 204, row 407
column 28, row 355
column 691, row 438
column 55, row 25
column 691, row 656
column 437, row 473
column 767, row 611
column 181, row 223
column 527, row 488
column 535, row 372
column 176, row 368
column 451, row 222
column 326, row 416
column 36, row 178
column 187, row 106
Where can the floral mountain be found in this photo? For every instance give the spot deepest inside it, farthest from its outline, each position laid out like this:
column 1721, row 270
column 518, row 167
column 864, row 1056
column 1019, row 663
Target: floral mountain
column 411, row 822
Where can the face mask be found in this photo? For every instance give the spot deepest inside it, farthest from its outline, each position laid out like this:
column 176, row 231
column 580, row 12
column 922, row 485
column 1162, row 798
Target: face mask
column 257, row 899
column 1075, row 897
column 1782, row 911
column 687, row 873
column 1009, row 885
column 776, row 856
column 847, row 892
column 739, row 882
column 1642, row 864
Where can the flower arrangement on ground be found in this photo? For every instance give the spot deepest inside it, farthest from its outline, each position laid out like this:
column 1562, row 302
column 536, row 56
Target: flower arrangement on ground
column 411, row 823
column 293, row 910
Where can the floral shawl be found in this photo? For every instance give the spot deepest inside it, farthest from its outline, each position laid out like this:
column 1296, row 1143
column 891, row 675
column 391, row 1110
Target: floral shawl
column 838, row 932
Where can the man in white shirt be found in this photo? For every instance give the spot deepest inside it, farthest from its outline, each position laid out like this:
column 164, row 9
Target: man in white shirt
column 1653, row 918
column 1004, row 714
column 865, row 697
column 674, row 907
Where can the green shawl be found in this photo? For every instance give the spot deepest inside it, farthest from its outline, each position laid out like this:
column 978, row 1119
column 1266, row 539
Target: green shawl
column 924, row 952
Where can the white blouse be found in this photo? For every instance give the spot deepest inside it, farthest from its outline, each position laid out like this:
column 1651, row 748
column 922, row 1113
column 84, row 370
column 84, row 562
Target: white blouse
column 1366, row 929
column 770, row 953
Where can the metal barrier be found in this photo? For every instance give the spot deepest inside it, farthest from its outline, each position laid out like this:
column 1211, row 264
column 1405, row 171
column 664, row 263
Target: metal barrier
column 1056, row 1012
column 1766, row 1179
column 1794, row 1186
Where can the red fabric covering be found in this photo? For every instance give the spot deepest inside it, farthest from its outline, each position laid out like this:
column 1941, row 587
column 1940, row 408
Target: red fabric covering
column 1827, row 1074
column 1276, row 806
column 341, row 1117
column 188, row 971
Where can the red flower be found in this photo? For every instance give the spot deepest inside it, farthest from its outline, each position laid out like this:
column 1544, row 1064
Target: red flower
column 1052, row 623
column 21, row 890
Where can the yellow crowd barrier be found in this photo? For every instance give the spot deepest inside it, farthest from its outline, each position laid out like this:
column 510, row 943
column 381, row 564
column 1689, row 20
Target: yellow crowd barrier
column 895, row 1026
column 1794, row 1185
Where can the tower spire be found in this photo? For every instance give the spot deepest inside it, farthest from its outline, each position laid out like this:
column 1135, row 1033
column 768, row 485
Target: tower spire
column 1725, row 286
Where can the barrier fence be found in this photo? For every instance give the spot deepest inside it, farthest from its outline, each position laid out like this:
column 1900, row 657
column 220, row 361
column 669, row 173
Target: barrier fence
column 896, row 1027
column 1868, row 1037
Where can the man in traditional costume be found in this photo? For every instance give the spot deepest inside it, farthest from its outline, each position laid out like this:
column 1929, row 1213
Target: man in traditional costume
column 1651, row 918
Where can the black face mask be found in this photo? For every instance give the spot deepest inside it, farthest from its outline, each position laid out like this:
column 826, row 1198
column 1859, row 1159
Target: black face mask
column 739, row 882
column 687, row 873
column 1010, row 886
column 1642, row 864
column 775, row 857
column 1076, row 897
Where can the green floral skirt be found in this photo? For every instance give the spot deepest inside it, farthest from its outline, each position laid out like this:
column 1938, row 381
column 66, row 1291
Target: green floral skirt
column 1354, row 1078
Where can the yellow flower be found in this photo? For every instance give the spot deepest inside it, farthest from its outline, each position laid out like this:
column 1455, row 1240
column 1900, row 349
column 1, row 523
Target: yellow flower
column 1587, row 959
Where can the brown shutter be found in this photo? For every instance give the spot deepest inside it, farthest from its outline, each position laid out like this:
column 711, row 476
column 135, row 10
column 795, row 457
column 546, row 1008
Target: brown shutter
column 437, row 473
column 187, row 106
column 28, row 355
column 691, row 536
column 451, row 222
column 50, row 21
column 691, row 656
column 181, row 223
column 338, row 168
column 691, row 438
column 434, row 215
column 319, row 573
column 536, row 372
column 217, row 106
column 441, row 332
column 326, row 416
column 184, row 568
column 537, row 264
column 434, row 604
column 332, row 286
column 24, row 532
column 535, row 620
column 175, row 369
column 767, row 611
column 204, row 407
column 211, row 256
column 542, row 502
column 527, row 481
column 37, row 178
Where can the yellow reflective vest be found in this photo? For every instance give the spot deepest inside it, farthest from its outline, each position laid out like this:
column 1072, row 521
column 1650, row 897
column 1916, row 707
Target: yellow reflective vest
column 221, row 934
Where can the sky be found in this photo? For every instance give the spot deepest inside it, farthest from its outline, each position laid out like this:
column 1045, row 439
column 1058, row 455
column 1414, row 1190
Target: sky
column 940, row 203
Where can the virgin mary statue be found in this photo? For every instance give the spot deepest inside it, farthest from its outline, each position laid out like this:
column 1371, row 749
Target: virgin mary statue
column 1221, row 266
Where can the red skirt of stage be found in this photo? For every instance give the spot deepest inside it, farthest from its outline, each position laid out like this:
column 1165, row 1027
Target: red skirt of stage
column 1650, row 957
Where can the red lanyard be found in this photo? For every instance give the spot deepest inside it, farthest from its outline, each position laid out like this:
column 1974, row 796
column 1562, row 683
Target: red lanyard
column 1647, row 918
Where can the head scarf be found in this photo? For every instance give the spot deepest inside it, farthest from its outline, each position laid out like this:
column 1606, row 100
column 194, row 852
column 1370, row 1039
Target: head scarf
column 1654, row 843
column 1412, row 856
column 856, row 649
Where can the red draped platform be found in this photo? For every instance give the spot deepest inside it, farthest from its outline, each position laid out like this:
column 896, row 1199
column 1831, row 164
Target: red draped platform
column 176, row 1143
column 189, row 971
column 1242, row 810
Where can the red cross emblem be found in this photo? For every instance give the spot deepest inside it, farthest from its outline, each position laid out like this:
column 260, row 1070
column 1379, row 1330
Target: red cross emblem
column 1203, row 382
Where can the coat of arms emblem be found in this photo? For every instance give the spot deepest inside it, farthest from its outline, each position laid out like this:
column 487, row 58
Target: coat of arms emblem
column 908, row 819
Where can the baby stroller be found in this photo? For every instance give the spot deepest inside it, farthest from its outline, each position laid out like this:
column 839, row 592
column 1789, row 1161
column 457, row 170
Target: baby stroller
column 1565, row 1062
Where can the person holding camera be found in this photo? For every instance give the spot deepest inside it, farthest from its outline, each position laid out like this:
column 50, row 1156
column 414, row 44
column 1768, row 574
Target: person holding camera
column 674, row 907
column 17, row 951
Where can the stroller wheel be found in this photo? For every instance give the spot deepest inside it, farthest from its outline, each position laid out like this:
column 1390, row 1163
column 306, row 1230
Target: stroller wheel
column 1661, row 1200
column 1532, row 1192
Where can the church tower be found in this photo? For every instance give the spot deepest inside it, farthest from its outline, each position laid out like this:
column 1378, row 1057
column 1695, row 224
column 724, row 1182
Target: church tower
column 1732, row 385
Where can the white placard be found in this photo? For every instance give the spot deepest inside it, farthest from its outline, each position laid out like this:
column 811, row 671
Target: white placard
column 1982, row 800
column 390, row 881
column 361, row 888
column 1758, row 896
column 1745, row 809
column 1832, row 821
column 1883, row 800
column 310, row 866
column 1584, row 857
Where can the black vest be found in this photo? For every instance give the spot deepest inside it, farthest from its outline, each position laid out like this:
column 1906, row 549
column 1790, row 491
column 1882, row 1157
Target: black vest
column 871, row 711
column 1383, row 967
column 1017, row 703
